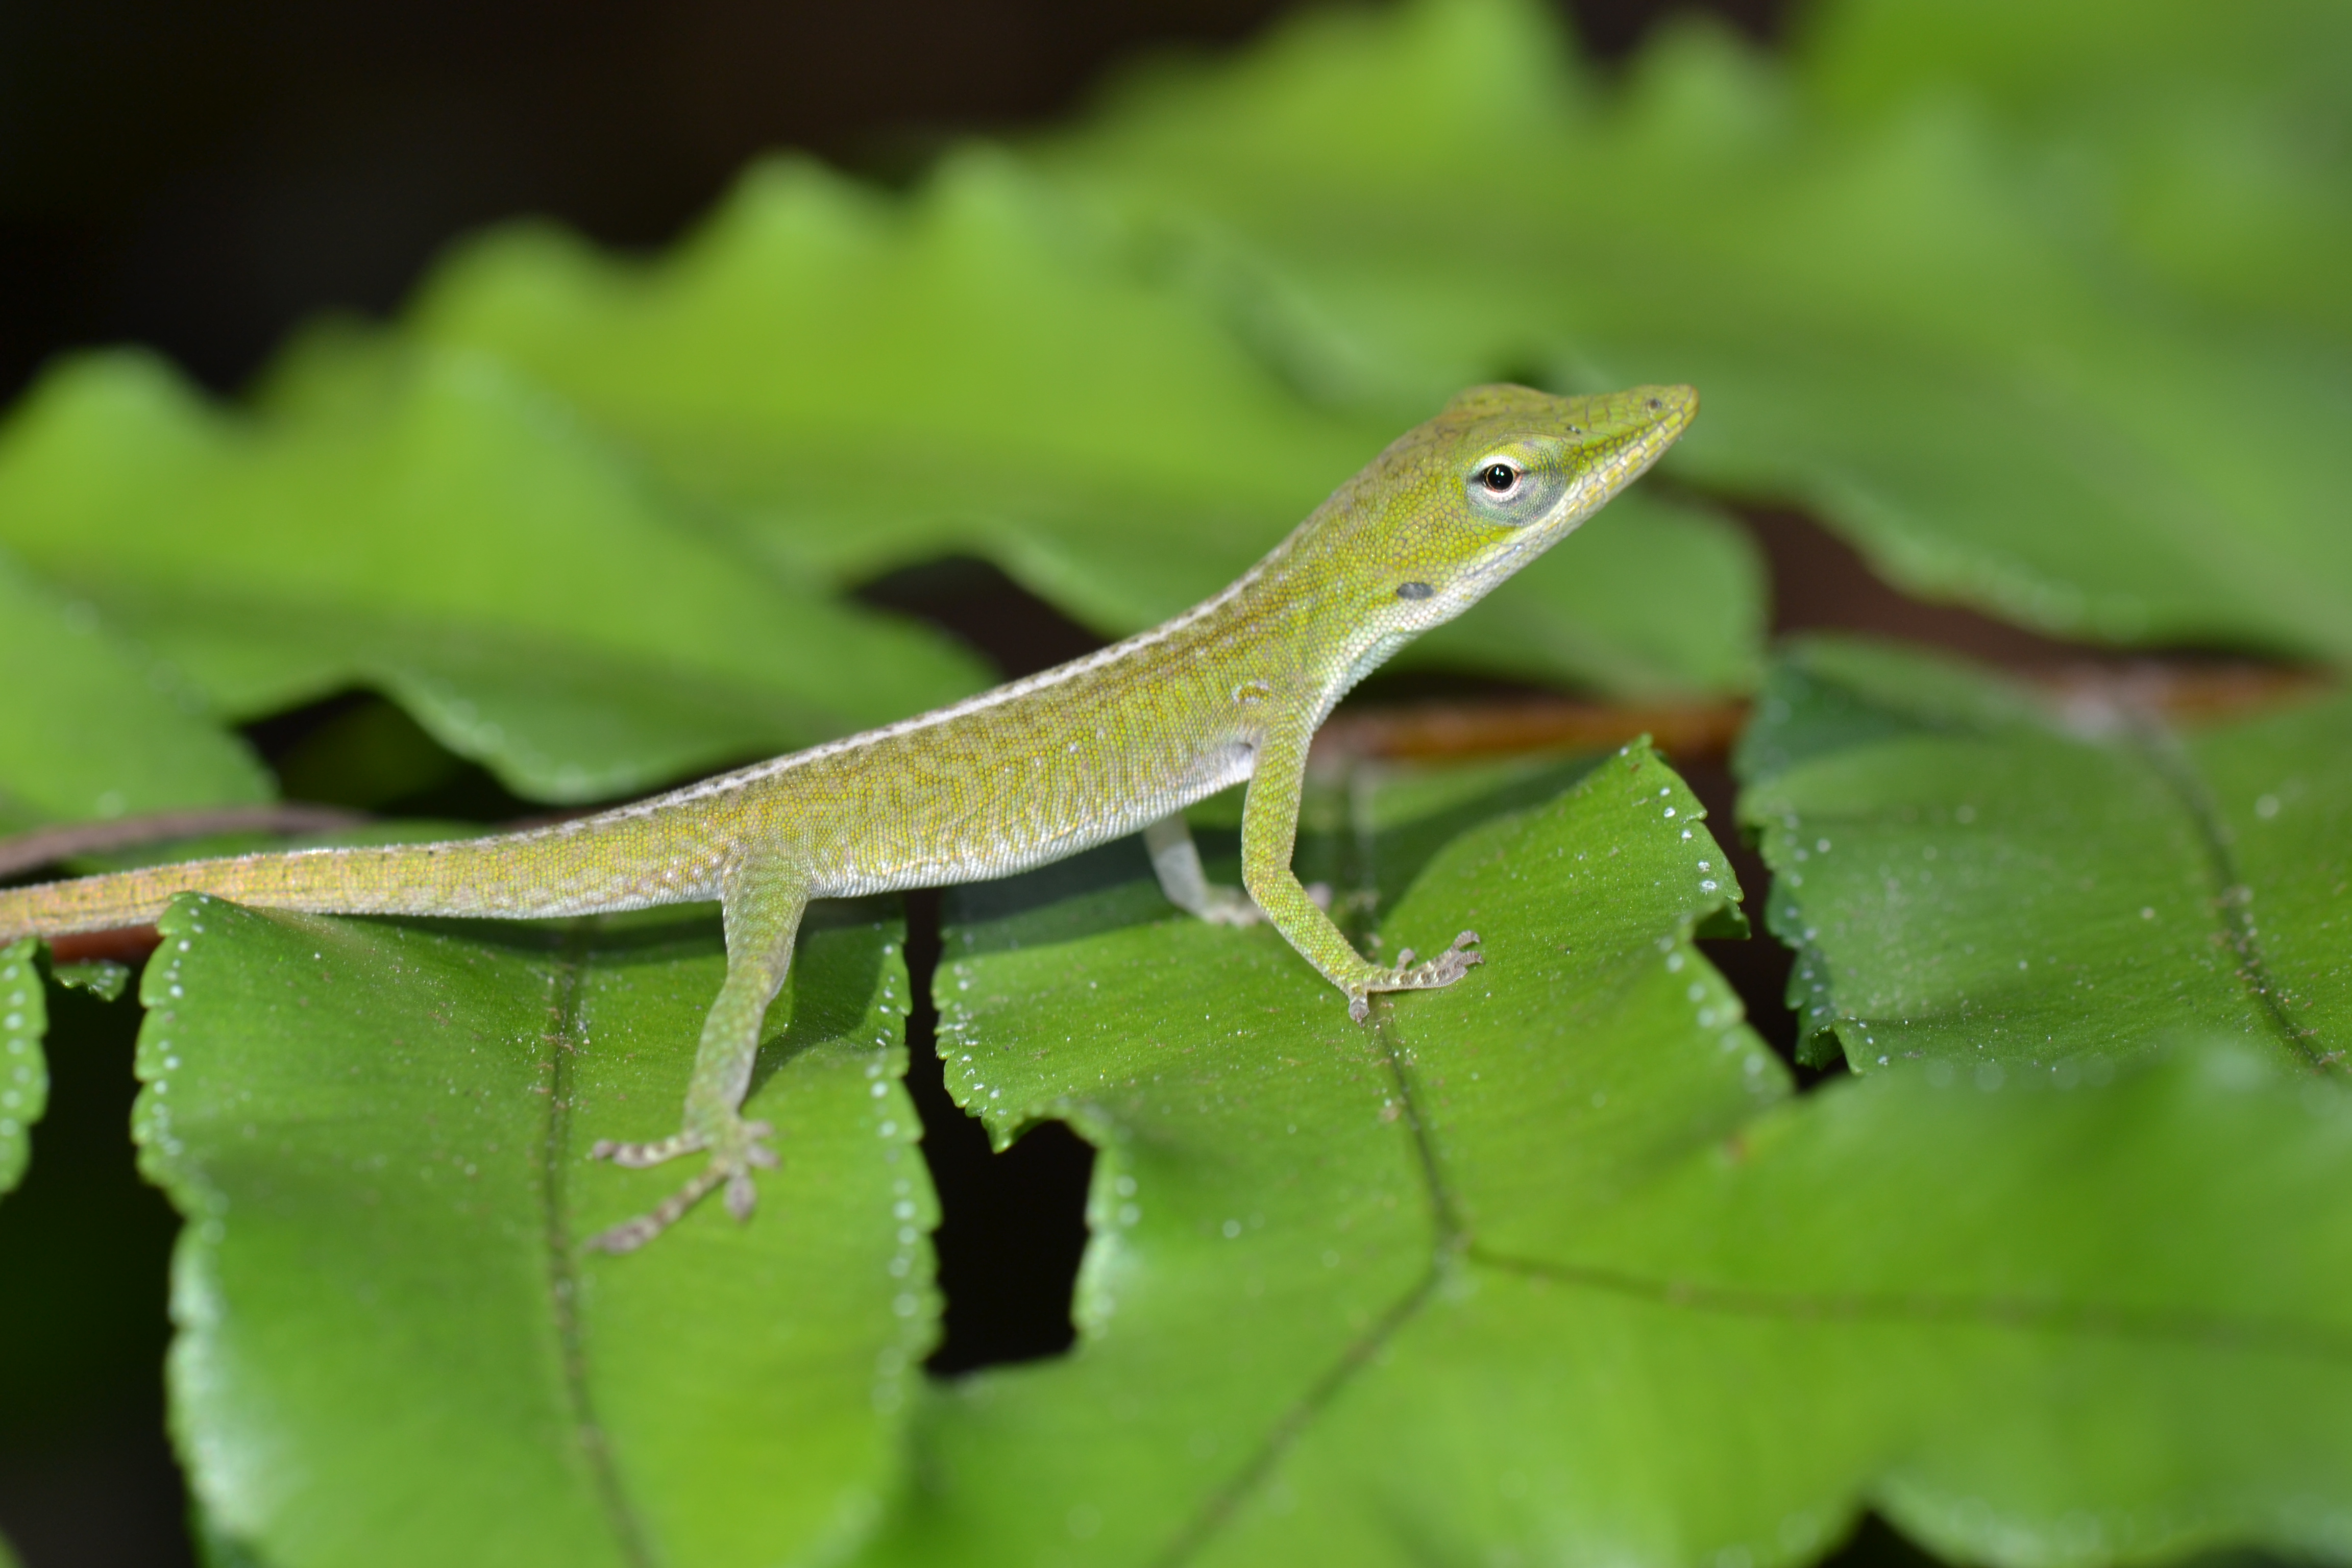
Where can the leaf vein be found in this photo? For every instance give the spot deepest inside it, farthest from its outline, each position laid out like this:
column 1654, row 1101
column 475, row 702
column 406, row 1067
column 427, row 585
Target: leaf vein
column 2232, row 898
column 563, row 1274
column 2107, row 1320
column 1450, row 1242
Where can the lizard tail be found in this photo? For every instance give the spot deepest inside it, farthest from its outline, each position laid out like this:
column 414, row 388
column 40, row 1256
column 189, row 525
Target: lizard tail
column 623, row 861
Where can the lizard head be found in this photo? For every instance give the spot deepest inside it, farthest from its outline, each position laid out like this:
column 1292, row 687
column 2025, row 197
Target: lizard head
column 1456, row 505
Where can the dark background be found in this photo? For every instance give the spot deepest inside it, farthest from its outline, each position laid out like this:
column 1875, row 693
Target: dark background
column 200, row 177
column 200, row 174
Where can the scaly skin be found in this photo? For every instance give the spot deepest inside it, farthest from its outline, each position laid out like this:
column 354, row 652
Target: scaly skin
column 1114, row 744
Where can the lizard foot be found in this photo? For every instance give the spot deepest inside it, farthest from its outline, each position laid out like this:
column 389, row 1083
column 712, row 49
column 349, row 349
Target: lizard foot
column 1443, row 970
column 735, row 1152
column 1230, row 907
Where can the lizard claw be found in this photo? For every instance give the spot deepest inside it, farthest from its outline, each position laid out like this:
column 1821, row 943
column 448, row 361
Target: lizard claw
column 639, row 1156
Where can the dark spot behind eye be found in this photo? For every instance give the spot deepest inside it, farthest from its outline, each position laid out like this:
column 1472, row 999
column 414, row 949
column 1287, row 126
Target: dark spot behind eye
column 1412, row 590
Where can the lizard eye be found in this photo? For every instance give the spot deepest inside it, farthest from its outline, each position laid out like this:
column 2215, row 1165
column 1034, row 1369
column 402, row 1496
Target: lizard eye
column 1504, row 489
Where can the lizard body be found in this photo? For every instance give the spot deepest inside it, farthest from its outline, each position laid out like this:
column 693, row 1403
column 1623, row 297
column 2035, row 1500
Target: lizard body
column 1114, row 744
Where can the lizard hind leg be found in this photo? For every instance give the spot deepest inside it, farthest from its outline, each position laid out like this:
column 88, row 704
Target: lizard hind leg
column 1176, row 861
column 762, row 908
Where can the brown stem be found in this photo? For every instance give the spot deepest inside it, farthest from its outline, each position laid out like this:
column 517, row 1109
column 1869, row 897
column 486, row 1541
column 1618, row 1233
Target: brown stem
column 46, row 845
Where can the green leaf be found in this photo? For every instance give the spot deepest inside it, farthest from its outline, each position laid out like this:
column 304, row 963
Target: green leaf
column 2032, row 1327
column 91, row 728
column 1968, row 872
column 24, row 1075
column 865, row 382
column 101, row 977
column 2209, row 144
column 1261, row 1211
column 1885, row 323
column 1545, row 1268
column 461, row 542
column 392, row 1348
column 2085, row 65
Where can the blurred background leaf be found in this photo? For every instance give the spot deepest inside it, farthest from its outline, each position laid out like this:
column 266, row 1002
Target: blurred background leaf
column 1884, row 326
column 2208, row 145
column 460, row 542
column 93, row 727
column 862, row 384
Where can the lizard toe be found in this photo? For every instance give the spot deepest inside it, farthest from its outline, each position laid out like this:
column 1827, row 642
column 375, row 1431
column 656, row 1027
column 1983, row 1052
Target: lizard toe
column 742, row 1196
column 632, row 1234
column 637, row 1156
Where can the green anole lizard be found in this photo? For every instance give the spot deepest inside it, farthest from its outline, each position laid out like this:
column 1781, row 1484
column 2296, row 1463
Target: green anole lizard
column 1117, row 742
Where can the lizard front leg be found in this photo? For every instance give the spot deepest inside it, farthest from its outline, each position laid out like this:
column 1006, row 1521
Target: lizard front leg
column 761, row 905
column 1269, row 835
